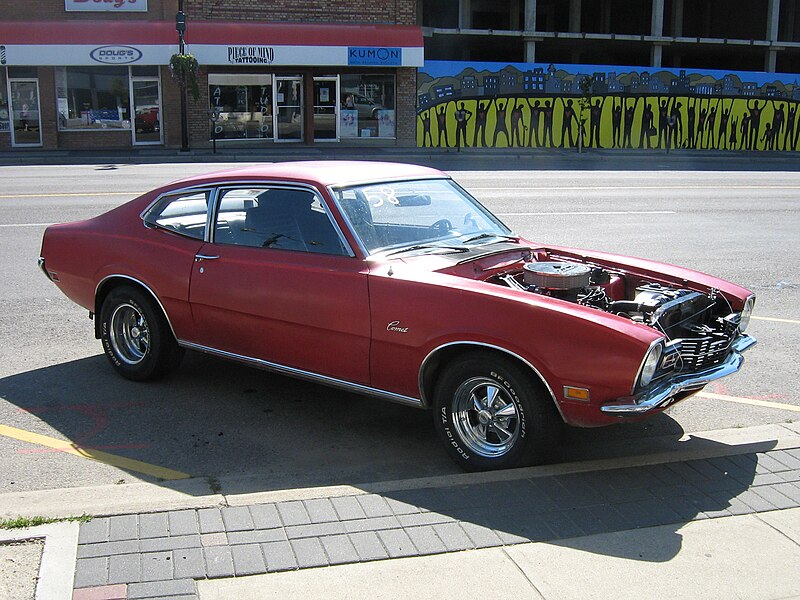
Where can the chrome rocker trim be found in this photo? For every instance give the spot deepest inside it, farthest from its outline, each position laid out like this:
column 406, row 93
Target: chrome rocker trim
column 307, row 375
column 663, row 394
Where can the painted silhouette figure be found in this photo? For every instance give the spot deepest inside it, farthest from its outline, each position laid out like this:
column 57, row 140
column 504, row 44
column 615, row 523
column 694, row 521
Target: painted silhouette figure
column 500, row 125
column 663, row 113
column 722, row 132
column 441, row 123
column 536, row 112
column 427, row 138
column 744, row 129
column 595, row 113
column 691, row 117
column 755, row 121
column 778, row 117
column 480, row 125
column 462, row 117
column 616, row 121
column 701, row 125
column 630, row 113
column 568, row 116
column 647, row 128
column 732, row 133
column 769, row 137
column 548, row 123
column 710, row 121
column 517, row 123
column 789, row 136
column 675, row 125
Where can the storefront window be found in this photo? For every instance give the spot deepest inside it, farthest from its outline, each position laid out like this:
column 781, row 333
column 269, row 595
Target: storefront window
column 4, row 121
column 243, row 106
column 368, row 106
column 93, row 98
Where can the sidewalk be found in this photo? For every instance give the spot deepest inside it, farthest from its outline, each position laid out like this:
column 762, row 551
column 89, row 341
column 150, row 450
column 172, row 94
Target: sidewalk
column 444, row 158
column 713, row 516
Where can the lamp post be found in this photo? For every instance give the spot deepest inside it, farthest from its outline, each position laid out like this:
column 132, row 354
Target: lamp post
column 180, row 27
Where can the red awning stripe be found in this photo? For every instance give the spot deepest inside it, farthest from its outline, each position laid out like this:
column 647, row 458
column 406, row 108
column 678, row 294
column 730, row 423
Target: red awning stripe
column 133, row 32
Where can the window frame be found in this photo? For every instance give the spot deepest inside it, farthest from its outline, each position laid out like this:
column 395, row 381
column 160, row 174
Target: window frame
column 162, row 198
column 219, row 193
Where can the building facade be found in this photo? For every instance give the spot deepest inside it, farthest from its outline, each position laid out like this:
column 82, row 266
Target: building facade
column 737, row 35
column 95, row 73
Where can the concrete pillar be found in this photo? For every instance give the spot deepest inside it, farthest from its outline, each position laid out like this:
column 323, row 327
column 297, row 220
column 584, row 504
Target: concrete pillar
column 773, row 17
column 655, row 55
column 530, row 15
column 657, row 29
column 574, row 16
column 677, row 18
column 530, row 25
column 657, row 18
column 465, row 14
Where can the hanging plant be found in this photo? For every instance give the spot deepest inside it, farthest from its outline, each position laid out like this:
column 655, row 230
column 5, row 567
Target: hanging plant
column 184, row 69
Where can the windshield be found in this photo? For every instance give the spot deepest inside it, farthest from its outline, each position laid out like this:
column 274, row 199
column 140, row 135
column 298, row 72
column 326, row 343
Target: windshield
column 421, row 214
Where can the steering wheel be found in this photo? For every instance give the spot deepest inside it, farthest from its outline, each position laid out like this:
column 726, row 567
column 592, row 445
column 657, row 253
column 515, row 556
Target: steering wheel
column 441, row 227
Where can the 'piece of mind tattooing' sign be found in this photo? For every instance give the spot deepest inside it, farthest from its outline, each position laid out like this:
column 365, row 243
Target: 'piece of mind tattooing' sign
column 106, row 5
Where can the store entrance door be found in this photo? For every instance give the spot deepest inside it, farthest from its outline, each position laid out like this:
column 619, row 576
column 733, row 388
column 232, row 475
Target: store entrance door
column 326, row 109
column 26, row 122
column 288, row 109
column 147, row 112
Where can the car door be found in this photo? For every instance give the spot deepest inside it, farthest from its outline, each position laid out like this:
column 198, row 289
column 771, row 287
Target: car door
column 278, row 283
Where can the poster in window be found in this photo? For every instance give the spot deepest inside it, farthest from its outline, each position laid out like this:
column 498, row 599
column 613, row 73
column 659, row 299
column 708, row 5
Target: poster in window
column 386, row 123
column 348, row 123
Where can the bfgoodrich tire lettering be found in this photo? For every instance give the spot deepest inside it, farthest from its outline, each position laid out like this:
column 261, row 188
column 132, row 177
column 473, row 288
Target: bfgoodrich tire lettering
column 136, row 336
column 491, row 414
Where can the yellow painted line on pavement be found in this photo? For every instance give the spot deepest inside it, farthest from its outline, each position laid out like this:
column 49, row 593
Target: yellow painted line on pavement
column 69, row 195
column 103, row 457
column 750, row 401
column 776, row 320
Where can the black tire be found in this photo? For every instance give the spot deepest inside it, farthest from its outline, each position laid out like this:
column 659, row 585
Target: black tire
column 515, row 429
column 136, row 337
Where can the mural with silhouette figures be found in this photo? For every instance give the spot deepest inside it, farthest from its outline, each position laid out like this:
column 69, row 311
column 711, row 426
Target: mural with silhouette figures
column 502, row 105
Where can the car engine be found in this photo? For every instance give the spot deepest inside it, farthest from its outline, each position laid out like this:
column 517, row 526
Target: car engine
column 700, row 327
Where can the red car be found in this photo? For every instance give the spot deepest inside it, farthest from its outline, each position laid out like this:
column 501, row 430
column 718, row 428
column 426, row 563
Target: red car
column 390, row 280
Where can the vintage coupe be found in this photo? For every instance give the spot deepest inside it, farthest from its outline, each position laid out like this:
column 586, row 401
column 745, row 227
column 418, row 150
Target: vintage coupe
column 390, row 280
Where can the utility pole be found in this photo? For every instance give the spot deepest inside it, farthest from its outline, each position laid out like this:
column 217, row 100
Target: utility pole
column 180, row 27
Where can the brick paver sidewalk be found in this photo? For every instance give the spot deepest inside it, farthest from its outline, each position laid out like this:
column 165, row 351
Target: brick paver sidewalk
column 159, row 555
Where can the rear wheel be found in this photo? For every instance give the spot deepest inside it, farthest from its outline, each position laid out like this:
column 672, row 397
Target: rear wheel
column 491, row 414
column 136, row 336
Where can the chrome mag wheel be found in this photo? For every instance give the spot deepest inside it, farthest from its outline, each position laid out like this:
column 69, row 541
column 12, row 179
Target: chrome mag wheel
column 129, row 334
column 485, row 417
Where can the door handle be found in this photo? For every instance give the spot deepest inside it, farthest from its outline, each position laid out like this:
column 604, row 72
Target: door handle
column 202, row 257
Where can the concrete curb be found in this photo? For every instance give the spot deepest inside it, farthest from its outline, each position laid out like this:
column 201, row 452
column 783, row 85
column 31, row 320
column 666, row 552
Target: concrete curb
column 57, row 570
column 134, row 498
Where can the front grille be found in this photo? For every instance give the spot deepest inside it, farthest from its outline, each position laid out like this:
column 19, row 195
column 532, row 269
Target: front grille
column 703, row 352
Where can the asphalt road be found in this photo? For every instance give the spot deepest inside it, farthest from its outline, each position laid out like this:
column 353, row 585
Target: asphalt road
column 251, row 431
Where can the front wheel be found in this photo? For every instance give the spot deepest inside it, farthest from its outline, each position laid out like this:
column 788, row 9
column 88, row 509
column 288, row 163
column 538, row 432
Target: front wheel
column 136, row 336
column 492, row 415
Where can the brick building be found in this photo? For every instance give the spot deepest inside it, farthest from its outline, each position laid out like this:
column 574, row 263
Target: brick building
column 94, row 73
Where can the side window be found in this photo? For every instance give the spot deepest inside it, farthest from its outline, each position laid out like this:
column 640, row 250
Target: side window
column 280, row 218
column 182, row 213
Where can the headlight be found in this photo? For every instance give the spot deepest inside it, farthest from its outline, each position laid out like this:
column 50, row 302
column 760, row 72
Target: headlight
column 744, row 318
column 650, row 364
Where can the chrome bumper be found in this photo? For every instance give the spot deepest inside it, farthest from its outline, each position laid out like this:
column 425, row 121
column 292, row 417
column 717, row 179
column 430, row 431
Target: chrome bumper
column 663, row 393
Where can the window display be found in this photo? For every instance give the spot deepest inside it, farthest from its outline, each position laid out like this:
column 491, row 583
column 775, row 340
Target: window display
column 368, row 106
column 93, row 98
column 243, row 104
